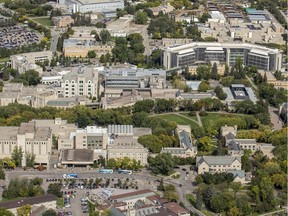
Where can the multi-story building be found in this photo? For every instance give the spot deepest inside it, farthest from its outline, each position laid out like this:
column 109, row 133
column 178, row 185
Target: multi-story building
column 131, row 78
column 127, row 147
column 80, row 48
column 187, row 148
column 63, row 21
column 32, row 139
column 27, row 61
column 84, row 6
column 81, row 81
column 203, row 52
column 214, row 164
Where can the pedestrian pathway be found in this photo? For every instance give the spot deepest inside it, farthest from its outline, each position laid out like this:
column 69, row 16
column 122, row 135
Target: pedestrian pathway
column 199, row 119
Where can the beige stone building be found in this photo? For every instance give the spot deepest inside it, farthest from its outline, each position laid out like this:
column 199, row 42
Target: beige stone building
column 32, row 139
column 220, row 68
column 80, row 48
column 62, row 21
column 187, row 148
column 271, row 79
column 81, row 81
column 217, row 164
column 127, row 147
column 27, row 61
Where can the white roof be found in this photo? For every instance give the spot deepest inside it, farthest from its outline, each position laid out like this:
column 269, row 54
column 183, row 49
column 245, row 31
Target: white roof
column 186, row 51
column 214, row 49
column 259, row 51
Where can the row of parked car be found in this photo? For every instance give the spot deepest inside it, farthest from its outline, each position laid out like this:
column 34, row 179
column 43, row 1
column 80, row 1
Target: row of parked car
column 84, row 205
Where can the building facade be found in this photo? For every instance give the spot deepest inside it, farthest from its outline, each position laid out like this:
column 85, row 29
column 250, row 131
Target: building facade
column 27, row 61
column 129, row 78
column 127, row 147
column 63, row 21
column 217, row 164
column 32, row 139
column 203, row 52
column 81, row 81
column 84, row 6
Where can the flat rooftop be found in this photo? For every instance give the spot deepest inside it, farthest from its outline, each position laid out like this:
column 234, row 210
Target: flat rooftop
column 77, row 155
column 97, row 1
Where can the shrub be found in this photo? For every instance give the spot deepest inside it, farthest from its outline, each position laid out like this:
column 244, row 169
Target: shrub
column 203, row 113
column 192, row 113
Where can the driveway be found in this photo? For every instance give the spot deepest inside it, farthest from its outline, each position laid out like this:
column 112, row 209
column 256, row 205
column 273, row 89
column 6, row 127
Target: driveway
column 275, row 120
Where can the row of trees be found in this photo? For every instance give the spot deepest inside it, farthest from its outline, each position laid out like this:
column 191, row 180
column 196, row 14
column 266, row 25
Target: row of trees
column 23, row 188
column 33, row 8
column 123, row 163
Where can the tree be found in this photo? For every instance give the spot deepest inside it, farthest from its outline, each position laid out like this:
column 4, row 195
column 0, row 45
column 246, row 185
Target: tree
column 203, row 144
column 54, row 188
column 161, row 164
column 30, row 159
column 91, row 54
column 105, row 36
column 49, row 212
column 139, row 119
column 204, row 86
column 5, row 212
column 170, row 193
column 17, row 156
column 2, row 174
column 203, row 72
column 30, row 77
column 161, row 185
column 140, row 18
column 24, row 210
column 214, row 72
column 236, row 187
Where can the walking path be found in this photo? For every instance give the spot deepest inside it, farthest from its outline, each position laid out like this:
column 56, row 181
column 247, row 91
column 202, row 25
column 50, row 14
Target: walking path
column 199, row 119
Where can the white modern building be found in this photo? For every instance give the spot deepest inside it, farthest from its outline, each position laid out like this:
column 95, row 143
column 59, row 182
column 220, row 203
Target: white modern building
column 84, row 6
column 203, row 52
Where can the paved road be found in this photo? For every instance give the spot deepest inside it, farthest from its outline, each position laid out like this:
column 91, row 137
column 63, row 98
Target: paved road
column 275, row 120
column 144, row 176
column 54, row 40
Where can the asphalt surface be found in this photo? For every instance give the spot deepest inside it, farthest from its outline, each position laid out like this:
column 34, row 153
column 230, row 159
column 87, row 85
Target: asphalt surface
column 54, row 40
column 275, row 120
column 183, row 185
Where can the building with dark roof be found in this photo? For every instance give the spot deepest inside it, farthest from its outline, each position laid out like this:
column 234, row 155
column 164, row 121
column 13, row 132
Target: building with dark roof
column 47, row 200
column 186, row 148
column 214, row 164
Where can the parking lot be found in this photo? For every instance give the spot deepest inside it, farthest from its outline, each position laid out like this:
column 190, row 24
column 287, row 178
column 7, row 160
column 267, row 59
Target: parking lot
column 16, row 36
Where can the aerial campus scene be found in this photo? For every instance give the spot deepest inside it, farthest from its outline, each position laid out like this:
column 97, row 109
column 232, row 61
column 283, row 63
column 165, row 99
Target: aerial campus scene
column 138, row 108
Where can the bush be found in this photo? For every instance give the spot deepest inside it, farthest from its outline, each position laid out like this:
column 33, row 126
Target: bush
column 203, row 113
column 192, row 113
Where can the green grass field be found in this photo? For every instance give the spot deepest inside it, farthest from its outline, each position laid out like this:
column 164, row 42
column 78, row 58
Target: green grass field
column 179, row 120
column 191, row 117
column 212, row 118
column 43, row 21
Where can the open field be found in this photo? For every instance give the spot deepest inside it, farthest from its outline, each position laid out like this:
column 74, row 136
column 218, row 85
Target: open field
column 43, row 21
column 179, row 120
column 212, row 118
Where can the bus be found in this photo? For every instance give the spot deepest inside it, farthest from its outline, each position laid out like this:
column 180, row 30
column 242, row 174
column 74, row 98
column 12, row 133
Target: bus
column 106, row 171
column 70, row 176
column 129, row 172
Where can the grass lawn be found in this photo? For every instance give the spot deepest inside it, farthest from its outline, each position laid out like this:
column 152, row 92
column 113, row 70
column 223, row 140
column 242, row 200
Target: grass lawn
column 209, row 121
column 179, row 120
column 186, row 115
column 3, row 60
column 43, row 21
column 191, row 199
